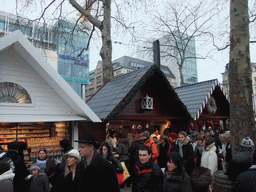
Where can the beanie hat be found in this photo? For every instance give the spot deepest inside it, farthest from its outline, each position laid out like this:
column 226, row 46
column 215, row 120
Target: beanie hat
column 247, row 142
column 34, row 166
column 146, row 134
column 73, row 153
column 173, row 135
column 227, row 133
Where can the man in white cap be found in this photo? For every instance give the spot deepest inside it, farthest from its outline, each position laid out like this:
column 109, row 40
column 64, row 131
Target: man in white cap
column 242, row 161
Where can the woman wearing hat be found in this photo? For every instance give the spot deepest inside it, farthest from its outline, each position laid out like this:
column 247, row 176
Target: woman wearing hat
column 36, row 181
column 47, row 165
column 66, row 179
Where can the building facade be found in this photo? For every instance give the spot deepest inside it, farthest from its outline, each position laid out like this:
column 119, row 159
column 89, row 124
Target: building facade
column 62, row 49
column 169, row 55
column 121, row 66
column 225, row 84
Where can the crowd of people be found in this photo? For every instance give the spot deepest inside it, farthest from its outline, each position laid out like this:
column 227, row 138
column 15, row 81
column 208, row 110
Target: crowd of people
column 183, row 161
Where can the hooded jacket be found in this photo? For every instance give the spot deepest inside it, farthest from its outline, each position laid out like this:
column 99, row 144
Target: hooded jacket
column 151, row 143
column 209, row 158
column 188, row 154
column 6, row 179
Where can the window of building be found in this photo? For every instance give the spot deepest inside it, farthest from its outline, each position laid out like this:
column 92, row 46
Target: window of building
column 13, row 93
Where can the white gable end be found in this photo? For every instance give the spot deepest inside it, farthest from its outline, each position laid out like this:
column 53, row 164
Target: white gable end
column 52, row 98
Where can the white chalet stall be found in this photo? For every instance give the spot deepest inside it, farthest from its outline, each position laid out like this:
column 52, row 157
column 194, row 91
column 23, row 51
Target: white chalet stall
column 34, row 97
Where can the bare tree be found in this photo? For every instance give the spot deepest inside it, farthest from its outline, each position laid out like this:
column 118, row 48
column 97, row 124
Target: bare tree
column 178, row 30
column 240, row 75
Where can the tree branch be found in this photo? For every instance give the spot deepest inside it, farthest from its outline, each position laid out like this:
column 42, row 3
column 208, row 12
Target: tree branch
column 84, row 12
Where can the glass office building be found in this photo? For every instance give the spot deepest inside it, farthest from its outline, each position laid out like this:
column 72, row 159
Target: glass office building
column 62, row 44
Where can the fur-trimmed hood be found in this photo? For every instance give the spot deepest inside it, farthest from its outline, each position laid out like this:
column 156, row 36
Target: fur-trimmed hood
column 185, row 142
column 211, row 147
column 7, row 175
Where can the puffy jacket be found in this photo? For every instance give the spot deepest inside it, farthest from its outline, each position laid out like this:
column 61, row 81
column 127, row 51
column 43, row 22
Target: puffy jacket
column 6, row 179
column 123, row 149
column 151, row 143
column 209, row 158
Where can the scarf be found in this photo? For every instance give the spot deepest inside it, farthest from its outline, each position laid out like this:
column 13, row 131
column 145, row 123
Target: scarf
column 180, row 149
column 42, row 164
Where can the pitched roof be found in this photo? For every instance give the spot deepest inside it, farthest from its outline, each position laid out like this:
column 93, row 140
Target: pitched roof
column 79, row 109
column 196, row 96
column 119, row 91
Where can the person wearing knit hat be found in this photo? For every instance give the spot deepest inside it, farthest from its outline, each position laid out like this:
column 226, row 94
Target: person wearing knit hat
column 66, row 178
column 242, row 161
column 151, row 143
column 36, row 181
column 247, row 142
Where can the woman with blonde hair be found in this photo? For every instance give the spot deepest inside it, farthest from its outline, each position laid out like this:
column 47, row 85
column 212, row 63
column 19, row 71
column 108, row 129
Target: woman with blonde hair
column 66, row 178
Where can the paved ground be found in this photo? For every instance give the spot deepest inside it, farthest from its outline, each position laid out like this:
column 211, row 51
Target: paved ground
column 126, row 189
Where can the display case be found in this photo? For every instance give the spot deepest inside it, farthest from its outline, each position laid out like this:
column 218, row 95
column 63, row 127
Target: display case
column 36, row 136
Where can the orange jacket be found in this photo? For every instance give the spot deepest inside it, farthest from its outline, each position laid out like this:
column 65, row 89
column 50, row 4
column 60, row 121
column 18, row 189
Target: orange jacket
column 150, row 142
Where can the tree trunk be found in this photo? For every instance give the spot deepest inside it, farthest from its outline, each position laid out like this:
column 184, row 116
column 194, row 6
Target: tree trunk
column 106, row 50
column 181, row 76
column 240, row 76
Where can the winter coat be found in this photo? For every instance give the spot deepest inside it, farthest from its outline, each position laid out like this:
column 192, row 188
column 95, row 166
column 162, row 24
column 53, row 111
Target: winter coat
column 240, row 162
column 209, row 158
column 246, row 181
column 198, row 154
column 177, row 182
column 188, row 154
column 148, row 177
column 51, row 170
column 20, row 169
column 151, row 143
column 65, row 183
column 98, row 176
column 6, row 184
column 39, row 183
column 134, row 153
column 115, row 162
column 123, row 149
column 162, row 158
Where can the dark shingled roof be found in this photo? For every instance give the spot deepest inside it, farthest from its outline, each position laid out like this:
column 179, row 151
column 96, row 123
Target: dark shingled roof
column 195, row 96
column 112, row 97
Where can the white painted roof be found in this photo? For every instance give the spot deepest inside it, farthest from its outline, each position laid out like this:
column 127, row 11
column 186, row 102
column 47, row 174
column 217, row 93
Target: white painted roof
column 79, row 110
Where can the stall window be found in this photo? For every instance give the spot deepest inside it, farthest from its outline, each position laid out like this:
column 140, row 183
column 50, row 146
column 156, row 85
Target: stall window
column 13, row 93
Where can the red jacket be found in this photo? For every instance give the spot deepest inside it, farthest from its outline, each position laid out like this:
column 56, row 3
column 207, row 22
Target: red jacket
column 150, row 142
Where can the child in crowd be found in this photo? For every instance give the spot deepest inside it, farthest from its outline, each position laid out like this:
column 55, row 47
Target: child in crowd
column 36, row 181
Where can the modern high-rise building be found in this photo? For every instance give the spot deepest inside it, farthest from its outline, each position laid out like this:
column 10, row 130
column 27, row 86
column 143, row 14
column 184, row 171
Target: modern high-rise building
column 169, row 55
column 61, row 44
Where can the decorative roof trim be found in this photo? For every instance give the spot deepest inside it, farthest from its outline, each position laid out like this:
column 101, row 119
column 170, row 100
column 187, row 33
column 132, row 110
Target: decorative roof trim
column 216, row 82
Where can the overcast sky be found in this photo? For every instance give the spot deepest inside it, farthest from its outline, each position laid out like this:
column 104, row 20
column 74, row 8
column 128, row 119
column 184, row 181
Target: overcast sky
column 210, row 68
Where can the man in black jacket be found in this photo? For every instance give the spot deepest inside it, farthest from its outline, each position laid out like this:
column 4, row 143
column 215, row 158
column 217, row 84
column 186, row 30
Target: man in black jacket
column 246, row 181
column 93, row 173
column 148, row 176
column 242, row 161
